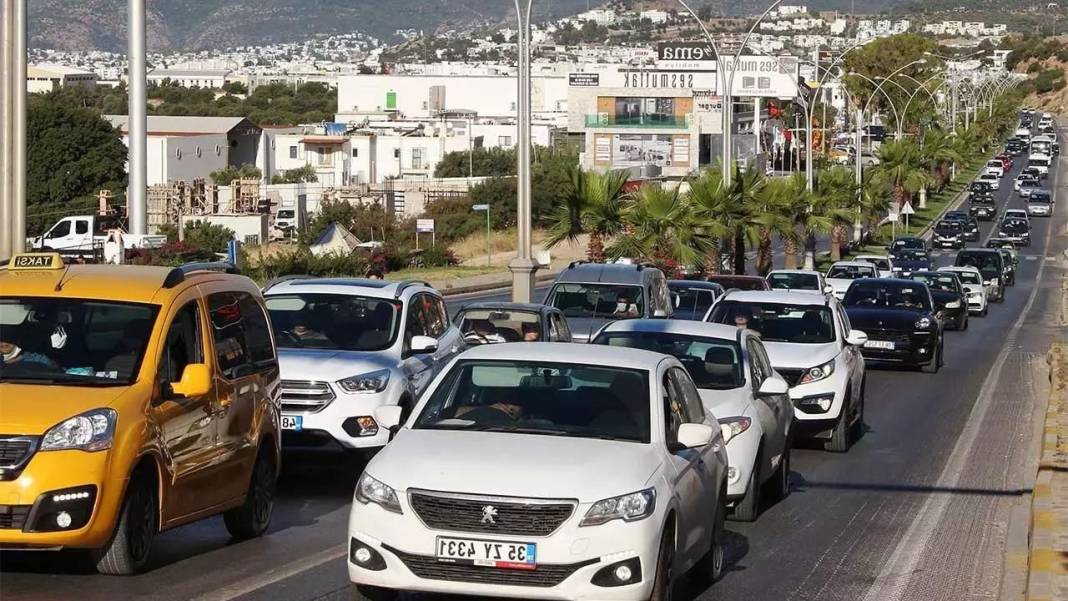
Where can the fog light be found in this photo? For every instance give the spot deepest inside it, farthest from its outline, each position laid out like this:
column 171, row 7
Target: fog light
column 364, row 425
column 63, row 519
column 362, row 555
column 923, row 351
column 732, row 474
column 622, row 573
column 815, row 404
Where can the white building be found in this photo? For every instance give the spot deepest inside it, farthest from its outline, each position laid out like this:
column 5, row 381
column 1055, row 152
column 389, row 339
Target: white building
column 656, row 16
column 599, row 16
column 207, row 78
column 46, row 77
column 187, row 148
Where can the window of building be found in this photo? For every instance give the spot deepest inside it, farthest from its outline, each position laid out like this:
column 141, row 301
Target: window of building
column 504, row 141
column 355, row 152
column 292, row 152
column 640, row 111
column 417, row 158
column 325, row 155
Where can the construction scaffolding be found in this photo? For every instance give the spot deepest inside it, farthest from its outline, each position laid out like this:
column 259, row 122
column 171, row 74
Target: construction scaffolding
column 168, row 202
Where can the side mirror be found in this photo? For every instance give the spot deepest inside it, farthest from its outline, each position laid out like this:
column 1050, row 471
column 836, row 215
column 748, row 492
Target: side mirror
column 856, row 338
column 828, row 289
column 692, row 436
column 774, row 385
column 389, row 416
column 195, row 382
column 422, row 345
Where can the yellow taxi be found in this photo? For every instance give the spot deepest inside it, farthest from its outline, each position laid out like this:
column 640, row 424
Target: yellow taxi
column 132, row 400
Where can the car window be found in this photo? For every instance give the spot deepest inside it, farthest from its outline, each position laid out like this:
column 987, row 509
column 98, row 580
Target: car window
column 674, row 410
column 417, row 322
column 713, row 363
column 843, row 320
column 183, row 345
column 598, row 300
column 695, row 411
column 794, row 281
column 489, row 326
column 81, row 227
column 437, row 317
column 60, row 230
column 778, row 322
column 231, row 331
column 257, row 332
column 889, row 295
column 343, row 322
column 757, row 365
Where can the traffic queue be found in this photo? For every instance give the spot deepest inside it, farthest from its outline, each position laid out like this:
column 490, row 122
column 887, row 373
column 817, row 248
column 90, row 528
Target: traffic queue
column 502, row 456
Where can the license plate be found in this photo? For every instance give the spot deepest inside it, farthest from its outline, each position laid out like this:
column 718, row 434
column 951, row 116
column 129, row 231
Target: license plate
column 488, row 553
column 292, row 422
column 882, row 344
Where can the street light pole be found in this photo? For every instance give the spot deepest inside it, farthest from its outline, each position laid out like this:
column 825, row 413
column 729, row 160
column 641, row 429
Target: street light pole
column 137, row 123
column 523, row 267
column 7, row 34
column 18, row 137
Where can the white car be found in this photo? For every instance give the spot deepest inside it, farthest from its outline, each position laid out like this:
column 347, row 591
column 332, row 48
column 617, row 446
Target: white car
column 974, row 288
column 884, row 264
column 841, row 275
column 348, row 346
column 1017, row 214
column 798, row 280
column 736, row 382
column 996, row 167
column 810, row 343
column 548, row 471
column 991, row 178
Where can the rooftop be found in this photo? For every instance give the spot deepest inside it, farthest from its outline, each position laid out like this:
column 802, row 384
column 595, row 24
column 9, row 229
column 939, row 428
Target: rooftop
column 567, row 353
column 160, row 124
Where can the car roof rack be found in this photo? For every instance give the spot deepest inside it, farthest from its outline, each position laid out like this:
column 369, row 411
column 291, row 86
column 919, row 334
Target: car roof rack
column 178, row 274
column 405, row 284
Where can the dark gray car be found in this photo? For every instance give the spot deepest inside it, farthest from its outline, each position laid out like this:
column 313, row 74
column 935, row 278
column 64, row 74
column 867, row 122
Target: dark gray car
column 591, row 295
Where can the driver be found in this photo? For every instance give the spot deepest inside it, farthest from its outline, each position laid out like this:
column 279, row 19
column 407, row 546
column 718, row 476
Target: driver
column 625, row 305
column 530, row 332
column 13, row 354
column 500, row 413
column 483, row 330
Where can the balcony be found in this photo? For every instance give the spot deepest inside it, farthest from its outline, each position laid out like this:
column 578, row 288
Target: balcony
column 644, row 121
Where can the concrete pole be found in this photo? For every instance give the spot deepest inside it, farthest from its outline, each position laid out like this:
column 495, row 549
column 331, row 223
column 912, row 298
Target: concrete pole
column 859, row 169
column 18, row 136
column 7, row 18
column 523, row 267
column 756, row 123
column 137, row 124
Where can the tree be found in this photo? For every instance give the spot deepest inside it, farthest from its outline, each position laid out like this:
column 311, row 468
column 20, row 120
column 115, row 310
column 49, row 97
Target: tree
column 297, row 175
column 226, row 175
column 208, row 236
column 835, row 192
column 594, row 205
column 661, row 228
column 884, row 56
column 937, row 156
column 715, row 204
column 73, row 154
column 235, row 87
column 901, row 168
column 777, row 201
column 481, row 162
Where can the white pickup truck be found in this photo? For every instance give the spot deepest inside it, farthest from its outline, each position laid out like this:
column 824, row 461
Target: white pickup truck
column 85, row 234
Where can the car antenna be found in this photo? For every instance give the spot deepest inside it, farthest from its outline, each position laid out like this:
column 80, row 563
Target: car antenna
column 59, row 284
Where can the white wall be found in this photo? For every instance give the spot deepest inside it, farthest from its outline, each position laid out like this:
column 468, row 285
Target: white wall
column 164, row 164
column 487, row 95
column 335, row 172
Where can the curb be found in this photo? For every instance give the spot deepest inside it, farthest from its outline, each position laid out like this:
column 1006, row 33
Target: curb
column 1047, row 562
column 505, row 283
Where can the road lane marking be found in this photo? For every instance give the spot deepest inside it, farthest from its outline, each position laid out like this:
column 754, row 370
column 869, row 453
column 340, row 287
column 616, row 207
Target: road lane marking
column 893, row 580
column 269, row 577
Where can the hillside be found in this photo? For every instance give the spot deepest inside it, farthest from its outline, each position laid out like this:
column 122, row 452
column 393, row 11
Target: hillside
column 207, row 24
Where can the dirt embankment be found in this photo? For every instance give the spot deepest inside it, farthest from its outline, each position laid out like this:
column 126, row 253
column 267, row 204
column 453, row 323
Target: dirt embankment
column 1055, row 102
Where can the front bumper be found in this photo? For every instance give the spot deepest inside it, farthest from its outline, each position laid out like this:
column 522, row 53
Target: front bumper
column 948, row 242
column 567, row 560
column 339, row 421
column 741, row 458
column 976, row 303
column 1038, row 210
column 910, row 348
column 29, row 510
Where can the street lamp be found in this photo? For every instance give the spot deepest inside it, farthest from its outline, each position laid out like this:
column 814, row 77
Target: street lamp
column 523, row 267
column 922, row 86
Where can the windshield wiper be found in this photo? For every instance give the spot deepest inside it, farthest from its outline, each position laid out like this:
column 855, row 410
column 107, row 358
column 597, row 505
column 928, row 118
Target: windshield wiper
column 64, row 379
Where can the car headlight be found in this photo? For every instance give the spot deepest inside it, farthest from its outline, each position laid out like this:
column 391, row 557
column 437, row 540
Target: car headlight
column 91, row 431
column 632, row 507
column 733, row 426
column 923, row 323
column 371, row 490
column 815, row 374
column 953, row 305
column 374, row 381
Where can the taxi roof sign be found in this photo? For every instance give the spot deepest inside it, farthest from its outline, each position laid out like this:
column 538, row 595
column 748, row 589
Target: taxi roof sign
column 35, row 261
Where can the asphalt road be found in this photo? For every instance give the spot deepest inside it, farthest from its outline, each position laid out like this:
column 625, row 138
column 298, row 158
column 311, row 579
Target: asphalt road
column 917, row 510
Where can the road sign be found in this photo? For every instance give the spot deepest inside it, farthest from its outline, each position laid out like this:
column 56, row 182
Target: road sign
column 907, row 209
column 479, row 207
column 424, row 226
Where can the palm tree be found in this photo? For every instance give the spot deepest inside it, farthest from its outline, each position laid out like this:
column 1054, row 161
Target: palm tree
column 594, row 206
column 661, row 227
column 938, row 155
column 792, row 203
column 874, row 201
column 901, row 168
column 835, row 194
column 774, row 203
column 715, row 206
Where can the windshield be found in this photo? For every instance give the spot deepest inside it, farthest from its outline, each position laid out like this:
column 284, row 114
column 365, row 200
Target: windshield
column 334, row 321
column 949, row 226
column 969, row 277
column 713, row 363
column 286, row 214
column 892, row 296
column 912, row 255
column 73, row 342
column 1039, row 197
column 794, row 281
column 1014, row 226
column 900, row 244
column 692, row 303
column 740, row 283
column 878, row 263
column 988, row 263
column 850, row 272
column 490, row 326
column 554, row 399
column 598, row 300
column 800, row 324
column 1038, row 162
column 945, row 283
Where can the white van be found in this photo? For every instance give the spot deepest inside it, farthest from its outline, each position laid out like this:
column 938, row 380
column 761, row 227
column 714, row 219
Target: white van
column 1042, row 145
column 1041, row 162
column 1024, row 134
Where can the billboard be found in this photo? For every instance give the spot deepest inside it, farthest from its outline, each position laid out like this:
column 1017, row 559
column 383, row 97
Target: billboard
column 635, row 150
column 685, row 56
column 765, row 76
column 424, row 225
column 583, row 80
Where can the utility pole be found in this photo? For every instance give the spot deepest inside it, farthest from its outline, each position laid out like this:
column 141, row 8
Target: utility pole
column 137, row 123
column 523, row 267
column 17, row 72
column 7, row 34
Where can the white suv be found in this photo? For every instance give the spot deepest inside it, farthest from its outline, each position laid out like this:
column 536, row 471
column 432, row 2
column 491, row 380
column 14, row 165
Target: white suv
column 544, row 470
column 811, row 345
column 348, row 346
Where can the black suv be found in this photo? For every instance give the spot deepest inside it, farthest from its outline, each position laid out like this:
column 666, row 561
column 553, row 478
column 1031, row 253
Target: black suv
column 969, row 223
column 991, row 266
column 948, row 233
column 983, row 207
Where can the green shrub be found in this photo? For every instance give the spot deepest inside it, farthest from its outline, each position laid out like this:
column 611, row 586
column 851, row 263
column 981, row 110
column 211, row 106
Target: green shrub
column 303, row 262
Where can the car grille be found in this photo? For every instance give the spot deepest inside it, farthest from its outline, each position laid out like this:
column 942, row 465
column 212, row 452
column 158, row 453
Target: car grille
column 527, row 517
column 898, row 338
column 302, row 396
column 792, row 376
column 13, row 517
column 14, row 451
column 544, row 576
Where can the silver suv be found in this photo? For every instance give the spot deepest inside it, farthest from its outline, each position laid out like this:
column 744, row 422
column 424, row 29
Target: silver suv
column 347, row 346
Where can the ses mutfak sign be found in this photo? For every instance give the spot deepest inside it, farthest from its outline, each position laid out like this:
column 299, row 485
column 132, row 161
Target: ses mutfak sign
column 686, row 56
column 764, row 76
column 583, row 80
column 667, row 80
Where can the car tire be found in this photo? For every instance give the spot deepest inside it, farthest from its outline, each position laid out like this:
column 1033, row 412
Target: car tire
column 664, row 579
column 935, row 363
column 372, row 593
column 986, row 309
column 128, row 550
column 857, row 428
column 840, row 441
column 252, row 517
column 710, row 568
column 964, row 319
column 747, row 509
column 779, row 483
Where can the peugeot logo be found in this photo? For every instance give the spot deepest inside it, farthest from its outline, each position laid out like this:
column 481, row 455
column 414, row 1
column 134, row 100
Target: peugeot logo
column 489, row 514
